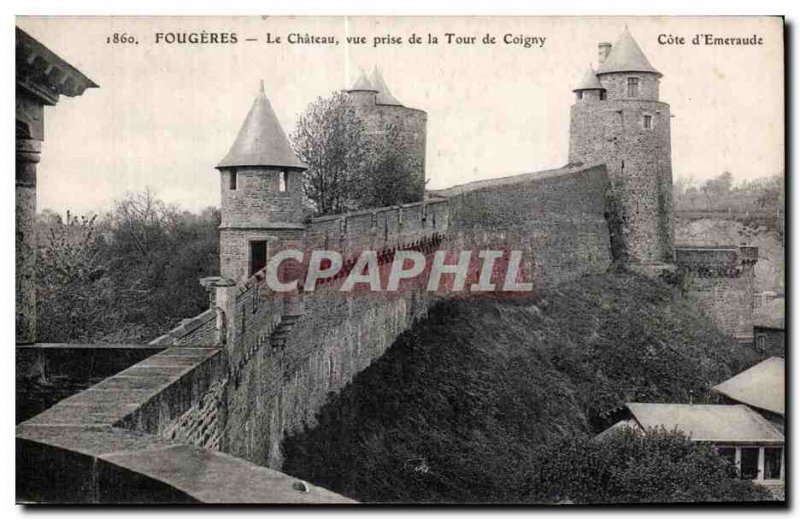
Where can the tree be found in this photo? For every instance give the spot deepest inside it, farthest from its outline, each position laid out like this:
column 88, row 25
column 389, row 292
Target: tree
column 140, row 220
column 718, row 187
column 390, row 176
column 126, row 277
column 71, row 298
column 350, row 168
column 630, row 466
column 331, row 139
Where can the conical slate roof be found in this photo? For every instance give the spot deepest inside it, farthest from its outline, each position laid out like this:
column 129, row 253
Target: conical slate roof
column 362, row 83
column 261, row 140
column 384, row 97
column 589, row 81
column 626, row 56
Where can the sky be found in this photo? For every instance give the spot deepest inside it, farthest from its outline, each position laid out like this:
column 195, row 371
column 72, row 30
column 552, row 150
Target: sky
column 166, row 114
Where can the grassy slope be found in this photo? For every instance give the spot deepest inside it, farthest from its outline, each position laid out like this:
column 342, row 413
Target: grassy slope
column 454, row 409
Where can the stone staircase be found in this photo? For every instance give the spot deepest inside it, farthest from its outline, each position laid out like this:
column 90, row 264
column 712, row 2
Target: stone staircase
column 278, row 337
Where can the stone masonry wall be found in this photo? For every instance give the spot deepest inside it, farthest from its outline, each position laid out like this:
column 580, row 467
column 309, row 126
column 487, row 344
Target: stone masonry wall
column 720, row 282
column 639, row 167
column 277, row 385
column 556, row 218
column 202, row 425
column 256, row 199
column 616, row 85
column 234, row 248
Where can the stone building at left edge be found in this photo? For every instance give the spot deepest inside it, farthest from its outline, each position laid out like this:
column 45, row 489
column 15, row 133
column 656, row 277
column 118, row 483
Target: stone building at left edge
column 41, row 78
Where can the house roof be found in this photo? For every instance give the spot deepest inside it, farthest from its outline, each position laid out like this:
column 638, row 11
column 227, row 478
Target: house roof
column 761, row 386
column 261, row 140
column 626, row 56
column 384, row 97
column 589, row 81
column 362, row 83
column 718, row 423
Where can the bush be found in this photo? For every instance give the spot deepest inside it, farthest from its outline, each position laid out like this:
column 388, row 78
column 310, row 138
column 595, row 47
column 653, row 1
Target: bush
column 629, row 466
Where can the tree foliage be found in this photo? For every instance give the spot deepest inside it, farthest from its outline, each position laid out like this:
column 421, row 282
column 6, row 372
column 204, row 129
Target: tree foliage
column 350, row 168
column 630, row 466
column 331, row 139
column 127, row 276
column 392, row 177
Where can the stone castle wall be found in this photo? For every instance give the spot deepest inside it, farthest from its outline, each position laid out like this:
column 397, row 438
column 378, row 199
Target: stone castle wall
column 557, row 218
column 256, row 200
column 639, row 167
column 720, row 282
column 287, row 352
column 256, row 210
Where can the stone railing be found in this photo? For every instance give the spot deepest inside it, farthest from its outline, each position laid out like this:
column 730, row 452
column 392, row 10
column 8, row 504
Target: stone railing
column 128, row 440
column 200, row 330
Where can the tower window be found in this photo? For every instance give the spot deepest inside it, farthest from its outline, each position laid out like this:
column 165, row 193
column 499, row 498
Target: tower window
column 633, row 87
column 283, row 180
column 232, row 180
column 580, row 94
column 602, row 95
column 648, row 122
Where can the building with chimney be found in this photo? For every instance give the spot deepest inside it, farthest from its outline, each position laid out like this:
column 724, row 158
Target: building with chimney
column 618, row 120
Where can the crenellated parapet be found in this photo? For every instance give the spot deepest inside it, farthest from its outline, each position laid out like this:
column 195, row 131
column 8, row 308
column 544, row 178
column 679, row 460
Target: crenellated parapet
column 720, row 279
column 716, row 261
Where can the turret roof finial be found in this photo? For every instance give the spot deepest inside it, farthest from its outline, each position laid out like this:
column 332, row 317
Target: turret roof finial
column 261, row 87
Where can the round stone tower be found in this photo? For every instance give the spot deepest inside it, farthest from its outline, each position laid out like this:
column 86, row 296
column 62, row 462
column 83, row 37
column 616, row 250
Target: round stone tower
column 378, row 108
column 617, row 119
column 262, row 193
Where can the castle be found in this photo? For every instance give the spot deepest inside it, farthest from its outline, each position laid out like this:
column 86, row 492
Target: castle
column 254, row 367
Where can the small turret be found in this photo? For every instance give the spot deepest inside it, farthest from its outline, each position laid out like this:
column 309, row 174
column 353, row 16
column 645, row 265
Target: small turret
column 262, row 191
column 589, row 88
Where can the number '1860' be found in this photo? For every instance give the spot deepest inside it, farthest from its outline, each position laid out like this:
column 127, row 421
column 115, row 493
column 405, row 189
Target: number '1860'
column 123, row 38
